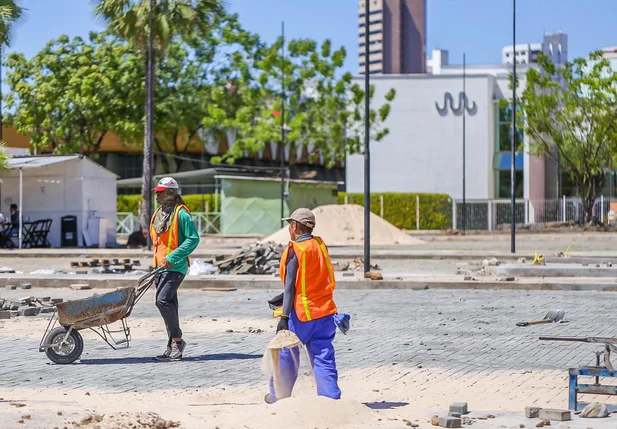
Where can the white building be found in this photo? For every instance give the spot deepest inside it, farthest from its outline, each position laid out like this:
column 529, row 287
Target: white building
column 52, row 187
column 525, row 53
column 555, row 46
column 424, row 150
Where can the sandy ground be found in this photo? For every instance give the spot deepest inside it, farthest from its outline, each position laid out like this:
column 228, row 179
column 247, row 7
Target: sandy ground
column 393, row 393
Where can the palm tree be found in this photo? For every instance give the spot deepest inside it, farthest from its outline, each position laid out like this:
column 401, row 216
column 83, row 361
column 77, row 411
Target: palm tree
column 132, row 21
column 10, row 13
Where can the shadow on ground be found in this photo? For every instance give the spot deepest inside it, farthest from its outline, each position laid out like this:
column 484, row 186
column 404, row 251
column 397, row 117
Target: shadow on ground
column 149, row 359
column 385, row 405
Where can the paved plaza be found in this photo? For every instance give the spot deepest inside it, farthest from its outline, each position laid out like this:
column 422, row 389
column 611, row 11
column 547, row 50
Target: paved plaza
column 409, row 354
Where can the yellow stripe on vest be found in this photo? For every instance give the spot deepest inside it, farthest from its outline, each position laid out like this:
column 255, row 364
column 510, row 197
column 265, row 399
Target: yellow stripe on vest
column 322, row 246
column 174, row 219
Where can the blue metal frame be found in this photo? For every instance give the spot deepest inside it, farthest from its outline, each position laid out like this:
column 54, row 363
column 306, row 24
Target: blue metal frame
column 576, row 388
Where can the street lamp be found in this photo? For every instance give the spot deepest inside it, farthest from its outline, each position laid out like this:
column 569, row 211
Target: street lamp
column 284, row 196
column 513, row 148
column 464, row 143
column 282, row 151
column 367, row 138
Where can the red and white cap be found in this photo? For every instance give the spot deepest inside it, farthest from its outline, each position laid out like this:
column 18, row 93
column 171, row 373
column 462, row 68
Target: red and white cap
column 166, row 183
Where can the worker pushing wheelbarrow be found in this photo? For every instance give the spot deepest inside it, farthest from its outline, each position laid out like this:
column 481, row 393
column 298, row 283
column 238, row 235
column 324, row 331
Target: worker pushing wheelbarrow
column 174, row 237
column 64, row 344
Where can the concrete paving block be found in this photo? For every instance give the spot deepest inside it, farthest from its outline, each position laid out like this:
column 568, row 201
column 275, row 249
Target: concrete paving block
column 458, row 407
column 47, row 310
column 28, row 311
column 10, row 287
column 532, row 412
column 26, row 286
column 555, row 415
column 81, row 286
column 5, row 315
column 453, row 414
column 14, row 313
column 57, row 300
column 449, row 422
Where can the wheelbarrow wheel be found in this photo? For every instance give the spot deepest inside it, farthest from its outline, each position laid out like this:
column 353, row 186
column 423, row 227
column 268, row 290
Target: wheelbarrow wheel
column 63, row 351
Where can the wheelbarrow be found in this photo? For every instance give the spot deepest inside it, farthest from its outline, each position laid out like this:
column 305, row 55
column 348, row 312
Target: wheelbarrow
column 64, row 344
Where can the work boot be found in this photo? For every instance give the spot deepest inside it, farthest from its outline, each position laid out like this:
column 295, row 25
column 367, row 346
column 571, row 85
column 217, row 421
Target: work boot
column 176, row 350
column 270, row 399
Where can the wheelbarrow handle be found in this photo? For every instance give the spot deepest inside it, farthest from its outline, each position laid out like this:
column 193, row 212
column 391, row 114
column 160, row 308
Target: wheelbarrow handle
column 151, row 274
column 144, row 284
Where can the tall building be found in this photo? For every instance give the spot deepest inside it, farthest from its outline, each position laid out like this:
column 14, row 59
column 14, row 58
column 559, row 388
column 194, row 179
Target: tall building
column 555, row 46
column 397, row 34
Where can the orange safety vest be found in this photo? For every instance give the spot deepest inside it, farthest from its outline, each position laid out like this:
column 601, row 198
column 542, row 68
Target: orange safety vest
column 315, row 281
column 166, row 242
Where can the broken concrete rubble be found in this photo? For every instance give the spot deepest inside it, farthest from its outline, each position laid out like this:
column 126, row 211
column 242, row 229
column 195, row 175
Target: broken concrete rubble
column 259, row 258
column 532, row 412
column 27, row 306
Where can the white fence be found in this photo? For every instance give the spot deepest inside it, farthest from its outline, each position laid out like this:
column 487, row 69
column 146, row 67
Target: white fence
column 489, row 215
column 480, row 215
column 206, row 223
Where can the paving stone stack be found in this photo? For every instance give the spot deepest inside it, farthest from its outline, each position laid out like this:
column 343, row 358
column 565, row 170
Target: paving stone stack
column 29, row 306
column 258, row 258
column 107, row 266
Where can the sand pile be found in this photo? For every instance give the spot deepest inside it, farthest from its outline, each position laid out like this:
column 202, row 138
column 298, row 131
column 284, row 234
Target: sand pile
column 308, row 412
column 127, row 421
column 343, row 225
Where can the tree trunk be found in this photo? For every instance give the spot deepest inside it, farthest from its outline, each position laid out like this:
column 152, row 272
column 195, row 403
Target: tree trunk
column 146, row 188
column 588, row 192
column 588, row 203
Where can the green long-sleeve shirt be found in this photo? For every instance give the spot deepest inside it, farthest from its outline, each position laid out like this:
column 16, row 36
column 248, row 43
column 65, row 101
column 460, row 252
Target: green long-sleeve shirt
column 188, row 240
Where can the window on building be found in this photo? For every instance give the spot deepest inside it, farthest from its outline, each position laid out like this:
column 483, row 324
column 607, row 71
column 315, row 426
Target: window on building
column 504, row 134
column 503, row 184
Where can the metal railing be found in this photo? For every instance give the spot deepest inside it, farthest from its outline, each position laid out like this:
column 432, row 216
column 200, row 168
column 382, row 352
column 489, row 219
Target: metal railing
column 206, row 223
column 494, row 214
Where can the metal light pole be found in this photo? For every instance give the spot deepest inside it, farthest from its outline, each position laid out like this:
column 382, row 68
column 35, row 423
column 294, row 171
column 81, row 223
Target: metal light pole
column 282, row 154
column 150, row 111
column 513, row 148
column 367, row 138
column 464, row 140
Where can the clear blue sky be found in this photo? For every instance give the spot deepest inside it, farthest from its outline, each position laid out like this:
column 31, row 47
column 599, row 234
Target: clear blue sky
column 478, row 27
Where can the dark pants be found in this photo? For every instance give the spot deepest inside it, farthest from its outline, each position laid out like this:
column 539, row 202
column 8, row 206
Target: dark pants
column 167, row 284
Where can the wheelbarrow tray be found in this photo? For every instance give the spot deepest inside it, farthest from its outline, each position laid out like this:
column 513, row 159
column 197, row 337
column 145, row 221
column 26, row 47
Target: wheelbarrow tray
column 97, row 310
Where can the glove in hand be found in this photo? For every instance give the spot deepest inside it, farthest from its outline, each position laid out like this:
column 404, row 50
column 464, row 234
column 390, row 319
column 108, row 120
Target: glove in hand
column 283, row 324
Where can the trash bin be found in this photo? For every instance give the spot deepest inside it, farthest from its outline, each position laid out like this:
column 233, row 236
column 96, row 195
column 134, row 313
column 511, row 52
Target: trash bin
column 68, row 231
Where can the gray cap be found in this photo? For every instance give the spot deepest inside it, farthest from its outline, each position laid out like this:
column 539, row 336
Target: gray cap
column 303, row 216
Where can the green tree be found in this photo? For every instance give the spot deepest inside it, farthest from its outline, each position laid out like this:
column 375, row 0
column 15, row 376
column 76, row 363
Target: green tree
column 72, row 93
column 573, row 109
column 130, row 20
column 197, row 79
column 11, row 13
column 324, row 108
column 4, row 157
